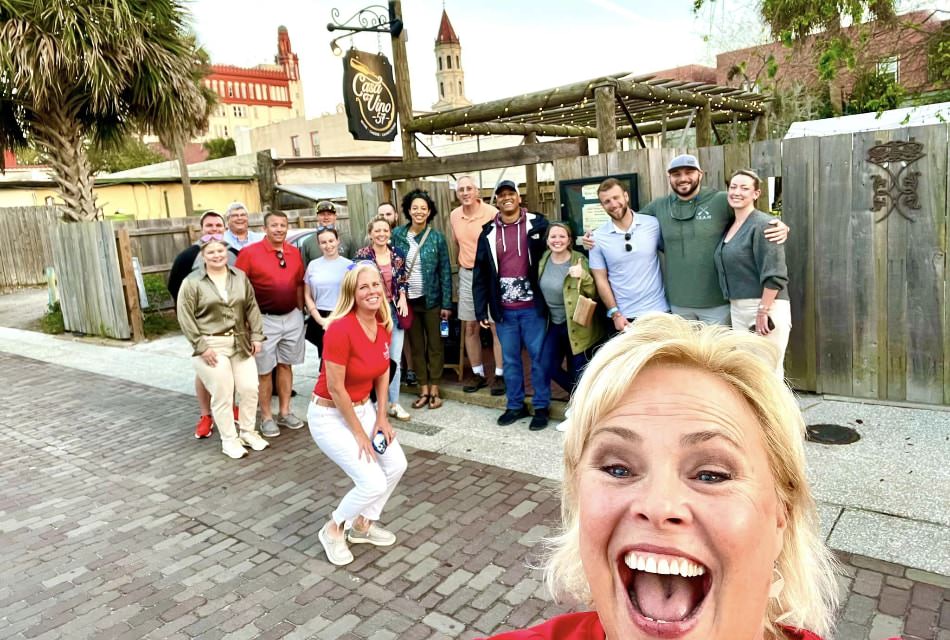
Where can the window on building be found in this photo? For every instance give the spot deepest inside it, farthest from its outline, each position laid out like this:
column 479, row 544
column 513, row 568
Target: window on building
column 448, row 61
column 295, row 146
column 441, row 90
column 315, row 142
column 225, row 131
column 889, row 67
column 458, row 65
column 230, row 89
column 440, row 63
column 239, row 111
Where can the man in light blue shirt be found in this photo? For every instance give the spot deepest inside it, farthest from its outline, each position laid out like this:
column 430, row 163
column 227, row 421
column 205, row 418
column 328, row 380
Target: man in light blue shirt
column 238, row 234
column 624, row 260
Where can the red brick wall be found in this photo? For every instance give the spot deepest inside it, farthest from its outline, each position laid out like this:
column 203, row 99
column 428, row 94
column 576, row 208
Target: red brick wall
column 798, row 65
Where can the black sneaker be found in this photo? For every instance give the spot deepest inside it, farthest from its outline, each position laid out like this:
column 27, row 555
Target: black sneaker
column 540, row 420
column 511, row 416
column 478, row 383
column 498, row 386
column 411, row 379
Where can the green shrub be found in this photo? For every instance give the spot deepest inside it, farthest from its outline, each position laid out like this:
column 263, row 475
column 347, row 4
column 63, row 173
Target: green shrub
column 53, row 320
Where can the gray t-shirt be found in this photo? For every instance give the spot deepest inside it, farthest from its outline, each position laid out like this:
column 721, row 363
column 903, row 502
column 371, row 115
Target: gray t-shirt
column 324, row 278
column 552, row 288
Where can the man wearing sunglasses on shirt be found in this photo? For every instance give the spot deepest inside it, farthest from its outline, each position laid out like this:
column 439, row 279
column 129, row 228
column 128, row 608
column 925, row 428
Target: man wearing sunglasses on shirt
column 624, row 260
column 276, row 272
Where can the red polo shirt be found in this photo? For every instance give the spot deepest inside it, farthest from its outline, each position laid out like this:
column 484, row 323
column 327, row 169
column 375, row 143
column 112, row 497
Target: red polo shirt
column 275, row 287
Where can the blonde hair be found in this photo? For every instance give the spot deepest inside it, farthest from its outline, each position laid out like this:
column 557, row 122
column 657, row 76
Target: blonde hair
column 741, row 360
column 347, row 299
column 377, row 218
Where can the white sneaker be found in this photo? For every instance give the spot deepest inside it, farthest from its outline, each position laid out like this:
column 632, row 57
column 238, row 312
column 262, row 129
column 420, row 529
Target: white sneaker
column 337, row 551
column 253, row 440
column 397, row 412
column 233, row 448
column 375, row 535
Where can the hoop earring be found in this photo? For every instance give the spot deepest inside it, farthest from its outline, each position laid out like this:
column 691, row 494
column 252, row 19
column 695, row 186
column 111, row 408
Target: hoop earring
column 775, row 590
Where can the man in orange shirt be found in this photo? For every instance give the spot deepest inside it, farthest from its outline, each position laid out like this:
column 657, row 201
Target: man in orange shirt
column 467, row 221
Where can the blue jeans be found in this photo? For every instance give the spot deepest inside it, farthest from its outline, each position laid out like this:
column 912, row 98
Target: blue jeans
column 557, row 345
column 395, row 354
column 522, row 327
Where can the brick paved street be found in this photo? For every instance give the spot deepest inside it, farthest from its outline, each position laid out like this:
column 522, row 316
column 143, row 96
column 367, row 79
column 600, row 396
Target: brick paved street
column 116, row 523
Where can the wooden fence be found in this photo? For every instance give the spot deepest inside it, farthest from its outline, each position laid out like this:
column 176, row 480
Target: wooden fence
column 868, row 288
column 90, row 283
column 25, row 250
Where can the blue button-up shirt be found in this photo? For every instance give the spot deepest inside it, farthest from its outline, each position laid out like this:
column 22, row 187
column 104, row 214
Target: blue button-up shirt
column 237, row 244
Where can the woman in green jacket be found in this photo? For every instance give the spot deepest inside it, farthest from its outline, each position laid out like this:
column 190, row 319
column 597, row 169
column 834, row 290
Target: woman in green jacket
column 429, row 276
column 564, row 276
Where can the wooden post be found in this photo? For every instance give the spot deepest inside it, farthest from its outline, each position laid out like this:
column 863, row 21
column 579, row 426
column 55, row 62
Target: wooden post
column 760, row 128
column 704, row 128
column 604, row 101
column 129, row 288
column 266, row 179
column 403, row 89
column 532, row 195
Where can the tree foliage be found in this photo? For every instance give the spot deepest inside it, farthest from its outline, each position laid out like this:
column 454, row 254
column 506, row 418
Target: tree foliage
column 129, row 153
column 219, row 148
column 75, row 74
column 874, row 92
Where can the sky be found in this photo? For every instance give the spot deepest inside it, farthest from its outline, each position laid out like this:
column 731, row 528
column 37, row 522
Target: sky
column 509, row 47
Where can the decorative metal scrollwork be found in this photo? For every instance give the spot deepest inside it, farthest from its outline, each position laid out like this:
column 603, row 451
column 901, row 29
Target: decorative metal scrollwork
column 374, row 19
column 898, row 190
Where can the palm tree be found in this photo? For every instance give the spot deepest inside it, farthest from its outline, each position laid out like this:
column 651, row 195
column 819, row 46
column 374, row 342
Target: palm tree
column 75, row 73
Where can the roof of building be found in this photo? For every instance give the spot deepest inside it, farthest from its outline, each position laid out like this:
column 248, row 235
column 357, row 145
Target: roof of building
column 892, row 119
column 446, row 32
column 230, row 168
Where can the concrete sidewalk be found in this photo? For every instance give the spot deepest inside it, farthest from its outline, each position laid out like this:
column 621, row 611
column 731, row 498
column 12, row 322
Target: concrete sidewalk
column 885, row 497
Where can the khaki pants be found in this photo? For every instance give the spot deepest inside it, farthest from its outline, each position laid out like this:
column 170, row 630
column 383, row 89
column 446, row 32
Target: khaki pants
column 234, row 372
column 743, row 316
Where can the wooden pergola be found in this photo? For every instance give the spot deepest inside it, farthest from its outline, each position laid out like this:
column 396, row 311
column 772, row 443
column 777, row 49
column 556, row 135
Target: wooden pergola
column 607, row 108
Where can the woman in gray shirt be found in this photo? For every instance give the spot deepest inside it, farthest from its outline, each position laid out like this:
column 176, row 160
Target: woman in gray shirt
column 752, row 271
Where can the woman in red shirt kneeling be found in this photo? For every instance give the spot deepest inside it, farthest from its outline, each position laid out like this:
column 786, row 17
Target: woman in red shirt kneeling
column 343, row 422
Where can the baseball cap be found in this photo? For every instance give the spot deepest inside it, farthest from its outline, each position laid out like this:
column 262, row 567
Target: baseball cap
column 506, row 184
column 209, row 212
column 325, row 205
column 684, row 161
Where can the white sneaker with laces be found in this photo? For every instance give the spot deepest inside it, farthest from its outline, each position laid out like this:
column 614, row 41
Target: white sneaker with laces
column 375, row 535
column 253, row 440
column 397, row 412
column 337, row 551
column 233, row 448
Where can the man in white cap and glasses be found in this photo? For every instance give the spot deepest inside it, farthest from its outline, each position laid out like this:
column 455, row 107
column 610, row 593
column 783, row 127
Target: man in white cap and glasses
column 238, row 234
column 692, row 221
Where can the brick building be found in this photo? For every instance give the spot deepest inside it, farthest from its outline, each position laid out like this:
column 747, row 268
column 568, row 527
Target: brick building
column 896, row 48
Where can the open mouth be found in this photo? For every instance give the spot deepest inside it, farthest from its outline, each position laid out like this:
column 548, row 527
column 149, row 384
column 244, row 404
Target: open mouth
column 666, row 592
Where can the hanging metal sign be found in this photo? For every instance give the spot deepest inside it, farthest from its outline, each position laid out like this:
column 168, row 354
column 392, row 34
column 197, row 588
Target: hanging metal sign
column 369, row 95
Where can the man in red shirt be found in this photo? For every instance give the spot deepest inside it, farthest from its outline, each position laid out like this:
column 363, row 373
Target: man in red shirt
column 276, row 271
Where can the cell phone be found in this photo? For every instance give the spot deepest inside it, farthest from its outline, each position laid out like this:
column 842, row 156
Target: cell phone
column 444, row 328
column 771, row 325
column 379, row 443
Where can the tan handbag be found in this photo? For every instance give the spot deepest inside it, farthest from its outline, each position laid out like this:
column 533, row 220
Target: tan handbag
column 584, row 311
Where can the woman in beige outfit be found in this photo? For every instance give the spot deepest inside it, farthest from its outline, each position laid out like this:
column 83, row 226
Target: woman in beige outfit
column 219, row 315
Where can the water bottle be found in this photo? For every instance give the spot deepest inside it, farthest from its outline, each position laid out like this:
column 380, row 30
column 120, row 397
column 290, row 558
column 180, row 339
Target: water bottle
column 444, row 328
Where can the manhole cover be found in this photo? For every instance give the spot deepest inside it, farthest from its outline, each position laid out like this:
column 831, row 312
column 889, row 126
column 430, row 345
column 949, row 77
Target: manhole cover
column 831, row 434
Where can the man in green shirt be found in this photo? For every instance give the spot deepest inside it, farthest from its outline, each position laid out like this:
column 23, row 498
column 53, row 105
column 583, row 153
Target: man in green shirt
column 692, row 221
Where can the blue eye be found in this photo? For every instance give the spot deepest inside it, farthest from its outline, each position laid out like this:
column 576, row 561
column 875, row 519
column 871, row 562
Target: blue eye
column 616, row 471
column 713, row 477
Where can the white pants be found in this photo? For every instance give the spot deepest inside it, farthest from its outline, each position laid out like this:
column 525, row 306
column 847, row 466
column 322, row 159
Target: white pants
column 743, row 316
column 234, row 372
column 374, row 480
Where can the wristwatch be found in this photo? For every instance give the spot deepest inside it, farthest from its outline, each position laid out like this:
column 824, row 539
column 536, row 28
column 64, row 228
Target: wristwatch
column 611, row 311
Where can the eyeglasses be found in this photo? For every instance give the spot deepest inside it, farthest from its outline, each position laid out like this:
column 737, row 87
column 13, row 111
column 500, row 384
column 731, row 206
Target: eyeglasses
column 280, row 259
column 208, row 237
column 626, row 239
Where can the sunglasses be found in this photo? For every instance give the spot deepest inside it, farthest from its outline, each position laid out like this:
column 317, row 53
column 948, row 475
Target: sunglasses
column 353, row 265
column 280, row 259
column 626, row 240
